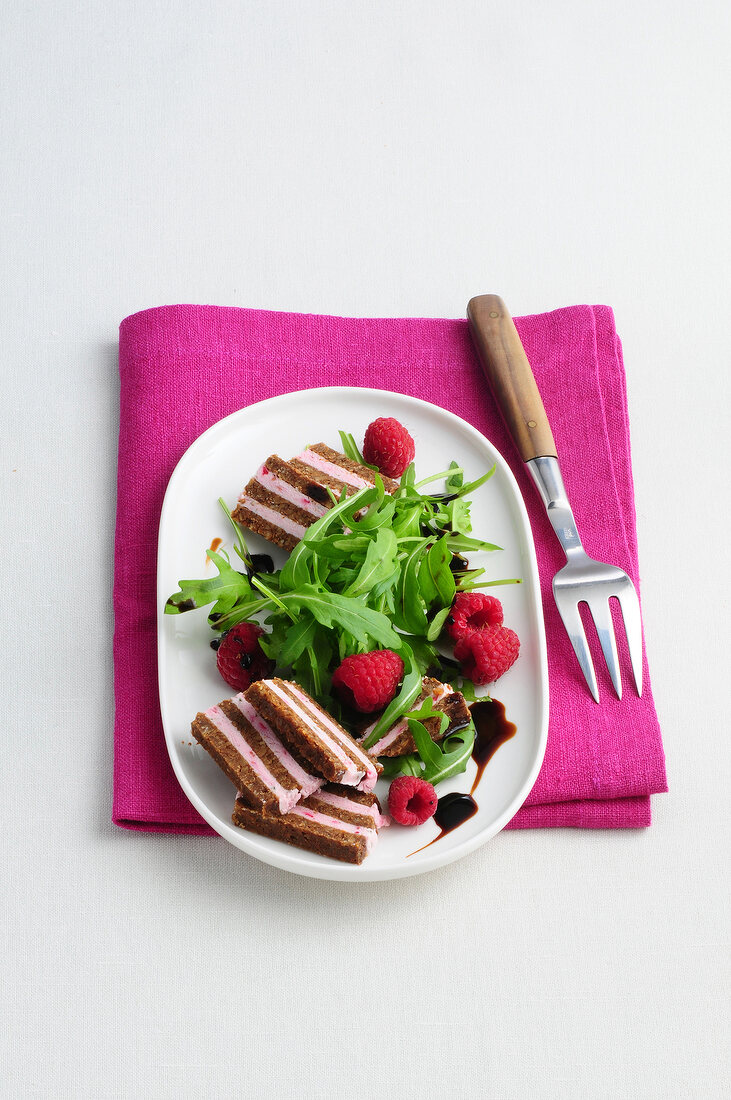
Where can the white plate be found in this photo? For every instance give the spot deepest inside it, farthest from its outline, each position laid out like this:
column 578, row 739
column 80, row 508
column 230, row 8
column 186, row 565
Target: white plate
column 219, row 464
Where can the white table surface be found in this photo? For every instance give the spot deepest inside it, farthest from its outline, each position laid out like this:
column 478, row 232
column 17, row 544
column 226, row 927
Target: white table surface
column 382, row 158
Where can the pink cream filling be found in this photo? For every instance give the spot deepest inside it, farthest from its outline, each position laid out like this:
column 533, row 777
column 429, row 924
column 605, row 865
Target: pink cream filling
column 371, row 836
column 312, row 458
column 275, row 518
column 371, row 775
column 287, row 799
column 289, row 492
column 308, row 783
column 351, row 775
column 353, row 807
column 402, row 725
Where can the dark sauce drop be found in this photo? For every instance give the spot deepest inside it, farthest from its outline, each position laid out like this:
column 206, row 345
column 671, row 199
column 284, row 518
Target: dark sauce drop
column 451, row 812
column 492, row 729
column 215, row 545
column 444, row 670
column 459, row 563
column 317, row 492
column 262, row 563
column 185, row 605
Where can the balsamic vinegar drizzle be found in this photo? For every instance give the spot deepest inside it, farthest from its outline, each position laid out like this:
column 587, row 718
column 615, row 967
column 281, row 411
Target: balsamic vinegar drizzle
column 492, row 729
column 262, row 563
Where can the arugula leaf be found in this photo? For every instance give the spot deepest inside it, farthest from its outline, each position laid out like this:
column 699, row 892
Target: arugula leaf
column 296, row 572
column 409, row 612
column 433, row 762
column 441, row 576
column 452, row 473
column 295, row 642
column 458, row 543
column 224, row 590
column 378, row 565
column 470, row 487
column 394, row 766
column 408, row 478
column 455, row 479
column 351, row 615
column 240, row 546
column 240, row 613
column 459, row 516
column 350, row 448
column 427, row 749
column 467, row 688
column 424, row 653
column 435, row 626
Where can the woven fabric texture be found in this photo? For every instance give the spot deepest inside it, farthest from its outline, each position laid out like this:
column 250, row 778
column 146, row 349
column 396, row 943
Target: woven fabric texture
column 184, row 367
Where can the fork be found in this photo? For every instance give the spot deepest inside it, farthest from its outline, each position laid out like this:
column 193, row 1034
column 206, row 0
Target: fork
column 582, row 579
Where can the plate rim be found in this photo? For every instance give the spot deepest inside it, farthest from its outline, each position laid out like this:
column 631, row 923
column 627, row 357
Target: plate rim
column 293, row 859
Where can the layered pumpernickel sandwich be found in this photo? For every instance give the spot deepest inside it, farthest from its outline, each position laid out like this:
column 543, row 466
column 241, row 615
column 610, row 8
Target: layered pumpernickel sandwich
column 336, row 821
column 397, row 741
column 313, row 734
column 283, row 499
column 269, row 774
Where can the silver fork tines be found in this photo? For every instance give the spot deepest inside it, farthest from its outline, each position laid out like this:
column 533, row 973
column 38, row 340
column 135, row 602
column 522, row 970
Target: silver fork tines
column 583, row 580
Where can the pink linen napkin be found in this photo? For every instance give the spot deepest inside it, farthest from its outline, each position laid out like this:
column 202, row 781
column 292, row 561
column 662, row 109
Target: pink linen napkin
column 184, row 367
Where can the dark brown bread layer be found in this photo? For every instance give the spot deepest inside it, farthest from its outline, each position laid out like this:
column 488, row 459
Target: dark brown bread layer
column 272, row 500
column 302, row 832
column 241, row 774
column 453, row 705
column 294, row 732
column 230, row 760
column 263, row 527
column 355, row 467
column 352, row 747
column 307, row 484
column 366, row 799
column 301, row 736
column 317, row 477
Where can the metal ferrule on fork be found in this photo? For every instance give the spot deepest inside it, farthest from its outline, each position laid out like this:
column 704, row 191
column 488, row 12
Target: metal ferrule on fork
column 546, row 474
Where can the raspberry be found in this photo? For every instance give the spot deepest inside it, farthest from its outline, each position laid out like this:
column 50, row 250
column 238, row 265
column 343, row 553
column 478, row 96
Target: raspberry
column 411, row 801
column 388, row 446
column 240, row 658
column 368, row 681
column 486, row 654
column 473, row 611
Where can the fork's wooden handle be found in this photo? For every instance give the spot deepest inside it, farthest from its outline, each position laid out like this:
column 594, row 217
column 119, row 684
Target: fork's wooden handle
column 503, row 359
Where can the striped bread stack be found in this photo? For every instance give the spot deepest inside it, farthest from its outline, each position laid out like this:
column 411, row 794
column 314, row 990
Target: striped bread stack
column 283, row 499
column 301, row 777
column 336, row 821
